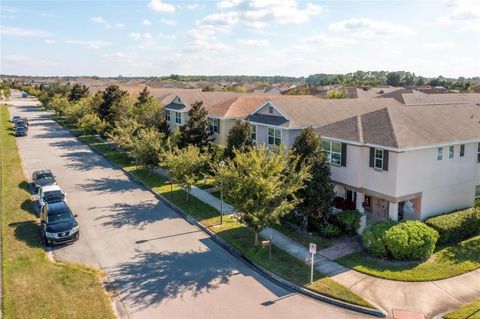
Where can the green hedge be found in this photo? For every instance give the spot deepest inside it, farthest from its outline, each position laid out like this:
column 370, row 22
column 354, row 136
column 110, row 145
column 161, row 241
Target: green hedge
column 373, row 238
column 456, row 226
column 411, row 240
column 348, row 220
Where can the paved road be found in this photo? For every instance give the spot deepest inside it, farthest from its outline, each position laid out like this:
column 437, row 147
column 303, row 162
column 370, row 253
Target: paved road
column 161, row 266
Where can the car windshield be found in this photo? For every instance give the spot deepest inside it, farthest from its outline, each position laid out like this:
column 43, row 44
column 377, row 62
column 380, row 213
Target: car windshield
column 59, row 217
column 44, row 175
column 50, row 193
column 54, row 198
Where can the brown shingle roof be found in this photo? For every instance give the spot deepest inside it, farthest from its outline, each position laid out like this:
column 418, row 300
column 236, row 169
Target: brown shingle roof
column 446, row 98
column 209, row 99
column 405, row 127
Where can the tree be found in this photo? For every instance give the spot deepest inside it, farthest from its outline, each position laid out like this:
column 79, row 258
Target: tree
column 337, row 94
column 78, row 92
column 393, row 78
column 124, row 133
column 195, row 131
column 261, row 183
column 144, row 97
column 148, row 147
column 112, row 97
column 319, row 193
column 186, row 166
column 307, row 144
column 91, row 124
column 239, row 138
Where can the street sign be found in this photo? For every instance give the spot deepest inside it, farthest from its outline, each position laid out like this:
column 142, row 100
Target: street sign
column 313, row 248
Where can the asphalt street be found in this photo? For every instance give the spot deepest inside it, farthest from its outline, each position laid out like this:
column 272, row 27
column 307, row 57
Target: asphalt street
column 160, row 265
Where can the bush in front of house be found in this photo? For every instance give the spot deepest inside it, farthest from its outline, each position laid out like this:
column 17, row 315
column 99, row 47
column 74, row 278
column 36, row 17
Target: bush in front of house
column 329, row 230
column 373, row 238
column 348, row 220
column 456, row 226
column 411, row 240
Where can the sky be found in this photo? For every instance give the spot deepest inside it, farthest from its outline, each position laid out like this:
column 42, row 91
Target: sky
column 231, row 37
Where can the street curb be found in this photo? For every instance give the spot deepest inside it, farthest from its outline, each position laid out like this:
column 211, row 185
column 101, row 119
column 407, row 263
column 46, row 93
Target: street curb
column 237, row 253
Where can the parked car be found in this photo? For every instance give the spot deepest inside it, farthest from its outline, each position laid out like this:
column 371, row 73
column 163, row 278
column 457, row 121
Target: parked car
column 58, row 224
column 43, row 177
column 15, row 118
column 21, row 122
column 20, row 131
column 50, row 194
column 24, row 95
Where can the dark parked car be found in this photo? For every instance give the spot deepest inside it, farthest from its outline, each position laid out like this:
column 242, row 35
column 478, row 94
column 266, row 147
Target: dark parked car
column 58, row 223
column 21, row 122
column 15, row 118
column 43, row 177
column 20, row 131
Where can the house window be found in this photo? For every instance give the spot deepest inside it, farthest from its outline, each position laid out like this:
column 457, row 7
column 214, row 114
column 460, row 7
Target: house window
column 274, row 136
column 477, row 191
column 178, row 117
column 439, row 154
column 451, row 152
column 378, row 160
column 270, row 110
column 167, row 115
column 333, row 150
column 351, row 195
column 253, row 135
column 462, row 150
column 478, row 153
column 214, row 125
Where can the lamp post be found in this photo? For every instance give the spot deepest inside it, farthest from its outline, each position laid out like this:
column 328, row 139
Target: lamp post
column 222, row 164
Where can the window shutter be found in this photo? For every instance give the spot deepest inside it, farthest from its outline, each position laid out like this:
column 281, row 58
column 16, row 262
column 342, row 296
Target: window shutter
column 372, row 155
column 385, row 160
column 344, row 155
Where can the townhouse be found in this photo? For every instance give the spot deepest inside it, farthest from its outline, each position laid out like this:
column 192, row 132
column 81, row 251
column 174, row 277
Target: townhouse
column 388, row 159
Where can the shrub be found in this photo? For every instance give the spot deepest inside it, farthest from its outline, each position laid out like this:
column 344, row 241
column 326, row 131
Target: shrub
column 456, row 226
column 411, row 240
column 330, row 230
column 477, row 203
column 348, row 220
column 91, row 124
column 373, row 238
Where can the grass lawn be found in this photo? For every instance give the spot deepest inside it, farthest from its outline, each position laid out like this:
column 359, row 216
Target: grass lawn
column 242, row 238
column 303, row 238
column 34, row 287
column 446, row 262
column 470, row 311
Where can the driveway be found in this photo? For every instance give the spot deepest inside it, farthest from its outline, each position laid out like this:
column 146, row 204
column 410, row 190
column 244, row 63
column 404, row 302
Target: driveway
column 160, row 265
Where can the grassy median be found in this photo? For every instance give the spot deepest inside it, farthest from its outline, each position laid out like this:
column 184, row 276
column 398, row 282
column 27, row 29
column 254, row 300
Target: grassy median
column 446, row 262
column 469, row 311
column 236, row 234
column 34, row 287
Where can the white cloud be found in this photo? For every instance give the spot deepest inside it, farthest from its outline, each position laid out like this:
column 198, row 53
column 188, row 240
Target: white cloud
column 367, row 28
column 327, row 41
column 120, row 25
column 168, row 22
column 160, row 6
column 194, row 6
column 258, row 14
column 21, row 32
column 135, row 35
column 101, row 21
column 167, row 36
column 146, row 22
column 17, row 58
column 465, row 14
column 438, row 45
column 147, row 35
column 253, row 42
column 90, row 44
column 49, row 41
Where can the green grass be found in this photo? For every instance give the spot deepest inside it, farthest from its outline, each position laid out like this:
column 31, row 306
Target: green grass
column 34, row 287
column 469, row 311
column 236, row 234
column 302, row 237
column 446, row 262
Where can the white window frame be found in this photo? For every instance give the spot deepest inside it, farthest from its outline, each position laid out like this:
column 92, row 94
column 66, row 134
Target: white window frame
column 439, row 153
column 168, row 116
column 462, row 150
column 274, row 137
column 214, row 125
column 376, row 157
column 330, row 153
column 451, row 152
column 178, row 118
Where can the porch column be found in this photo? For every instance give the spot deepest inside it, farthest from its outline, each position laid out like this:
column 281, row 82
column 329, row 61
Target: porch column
column 359, row 203
column 393, row 211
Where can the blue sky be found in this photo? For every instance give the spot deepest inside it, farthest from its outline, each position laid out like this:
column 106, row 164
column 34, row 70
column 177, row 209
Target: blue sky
column 255, row 37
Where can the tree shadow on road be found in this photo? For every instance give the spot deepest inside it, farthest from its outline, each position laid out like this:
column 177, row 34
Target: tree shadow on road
column 139, row 214
column 109, row 185
column 84, row 160
column 152, row 277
